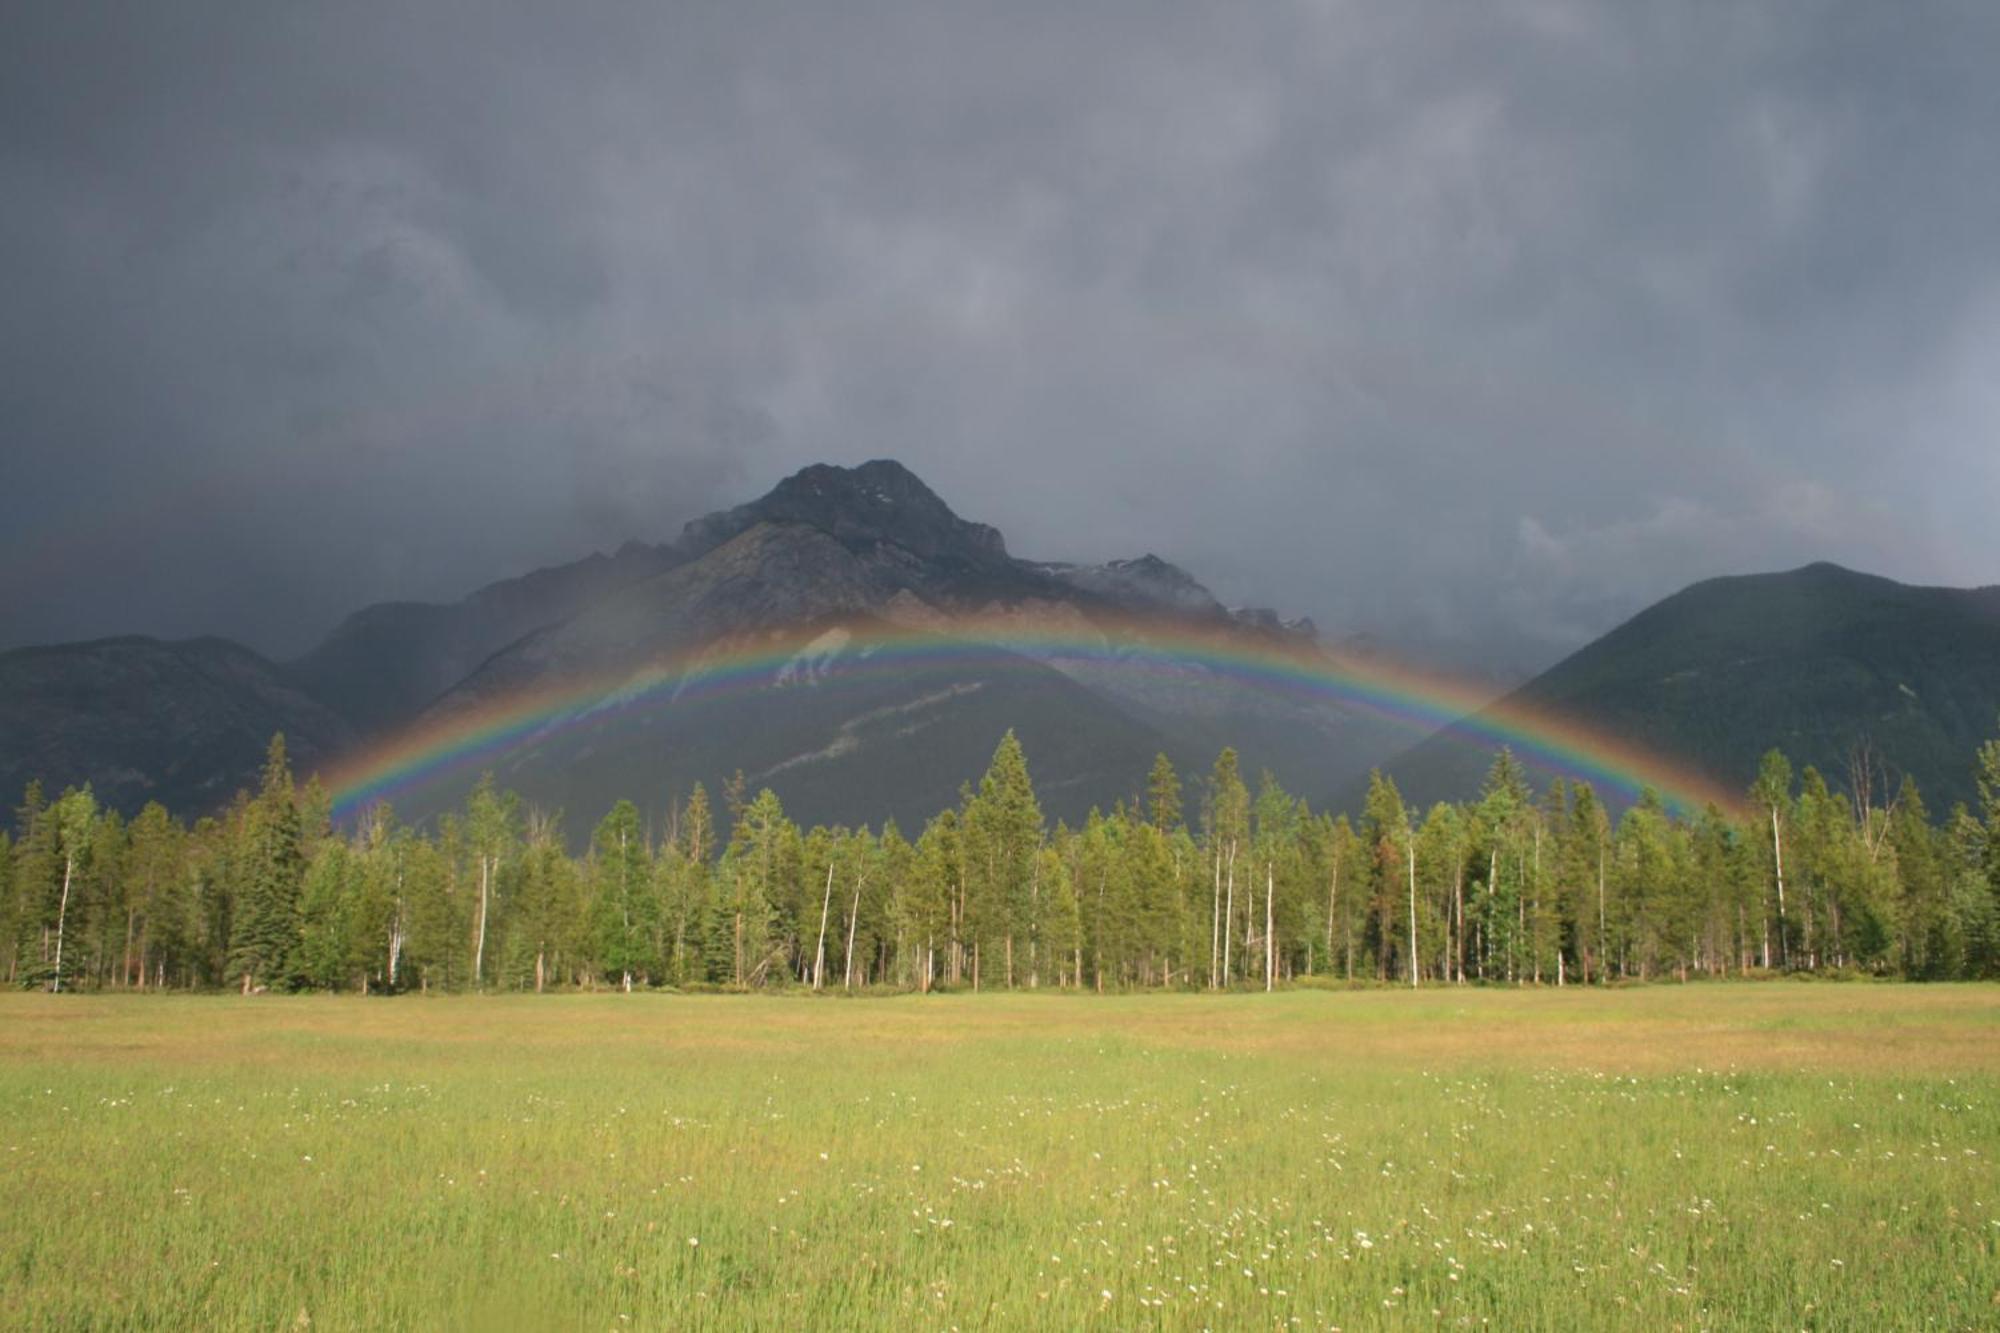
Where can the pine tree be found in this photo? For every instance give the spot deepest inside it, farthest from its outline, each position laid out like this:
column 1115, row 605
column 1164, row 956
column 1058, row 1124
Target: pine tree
column 265, row 927
column 622, row 880
column 1385, row 832
column 154, row 901
column 1003, row 830
column 757, row 869
column 1163, row 795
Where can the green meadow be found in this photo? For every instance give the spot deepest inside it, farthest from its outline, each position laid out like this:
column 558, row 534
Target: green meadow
column 1712, row 1156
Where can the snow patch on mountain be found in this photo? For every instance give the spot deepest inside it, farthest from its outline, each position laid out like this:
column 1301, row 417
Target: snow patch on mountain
column 813, row 662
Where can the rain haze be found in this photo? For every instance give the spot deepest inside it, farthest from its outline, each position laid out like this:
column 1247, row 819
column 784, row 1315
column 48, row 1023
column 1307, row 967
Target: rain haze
column 1472, row 329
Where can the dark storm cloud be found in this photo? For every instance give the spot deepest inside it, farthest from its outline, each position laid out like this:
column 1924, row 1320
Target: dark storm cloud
column 1475, row 326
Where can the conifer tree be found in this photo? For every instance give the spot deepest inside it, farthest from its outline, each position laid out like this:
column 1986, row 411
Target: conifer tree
column 1163, row 795
column 1003, row 829
column 265, row 926
column 622, row 881
column 1385, row 831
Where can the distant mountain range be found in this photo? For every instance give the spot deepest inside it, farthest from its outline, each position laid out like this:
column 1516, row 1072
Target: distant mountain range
column 827, row 548
column 1811, row 661
column 1816, row 662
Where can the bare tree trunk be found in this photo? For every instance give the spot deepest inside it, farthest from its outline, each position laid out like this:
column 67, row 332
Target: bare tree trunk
column 1778, row 858
column 1228, row 916
column 1413, row 912
column 1214, row 929
column 1602, row 936
column 1332, row 903
column 853, row 918
column 1270, row 929
column 62, row 917
column 1458, row 914
column 1486, row 929
column 825, row 905
column 479, row 951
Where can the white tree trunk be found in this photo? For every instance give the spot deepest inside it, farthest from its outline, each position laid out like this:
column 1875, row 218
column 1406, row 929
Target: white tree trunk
column 1215, row 929
column 1229, row 911
column 1413, row 913
column 62, row 915
column 1270, row 935
column 1603, row 938
column 1778, row 857
column 1332, row 905
column 479, row 950
column 825, row 906
column 853, row 917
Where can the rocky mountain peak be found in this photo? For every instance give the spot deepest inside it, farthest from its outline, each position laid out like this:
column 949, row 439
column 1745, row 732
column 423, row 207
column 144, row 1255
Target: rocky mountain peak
column 879, row 502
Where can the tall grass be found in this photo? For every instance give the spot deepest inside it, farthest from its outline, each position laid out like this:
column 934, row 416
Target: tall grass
column 1709, row 1157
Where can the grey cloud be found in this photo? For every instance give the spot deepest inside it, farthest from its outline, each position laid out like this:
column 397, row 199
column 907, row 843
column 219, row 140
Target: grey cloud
column 1471, row 326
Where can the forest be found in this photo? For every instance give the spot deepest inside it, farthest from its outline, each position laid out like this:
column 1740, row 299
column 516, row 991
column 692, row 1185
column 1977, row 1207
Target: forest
column 1205, row 884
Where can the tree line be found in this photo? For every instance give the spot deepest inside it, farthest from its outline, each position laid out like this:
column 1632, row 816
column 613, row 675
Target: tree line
column 1211, row 885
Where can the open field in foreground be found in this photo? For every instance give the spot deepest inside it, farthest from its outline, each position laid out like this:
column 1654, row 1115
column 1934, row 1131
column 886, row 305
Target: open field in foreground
column 1753, row 1156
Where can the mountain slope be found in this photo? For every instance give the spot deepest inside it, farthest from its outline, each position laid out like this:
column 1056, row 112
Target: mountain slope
column 383, row 664
column 1051, row 650
column 185, row 724
column 1813, row 662
column 838, row 551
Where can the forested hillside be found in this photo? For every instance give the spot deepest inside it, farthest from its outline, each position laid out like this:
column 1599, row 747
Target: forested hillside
column 1820, row 662
column 1218, row 882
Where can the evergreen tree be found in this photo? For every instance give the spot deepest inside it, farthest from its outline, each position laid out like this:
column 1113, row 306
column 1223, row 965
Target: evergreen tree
column 1929, row 947
column 156, row 906
column 1385, row 831
column 757, row 869
column 622, row 890
column 1163, row 795
column 265, row 927
column 1003, row 831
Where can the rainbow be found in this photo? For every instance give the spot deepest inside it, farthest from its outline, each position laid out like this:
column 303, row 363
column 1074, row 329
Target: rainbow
column 463, row 740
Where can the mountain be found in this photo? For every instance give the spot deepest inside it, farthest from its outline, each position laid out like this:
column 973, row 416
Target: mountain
column 794, row 592
column 383, row 664
column 185, row 724
column 765, row 638
column 1814, row 661
column 808, row 577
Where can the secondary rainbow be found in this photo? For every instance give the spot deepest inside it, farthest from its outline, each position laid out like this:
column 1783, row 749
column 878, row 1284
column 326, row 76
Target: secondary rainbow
column 464, row 740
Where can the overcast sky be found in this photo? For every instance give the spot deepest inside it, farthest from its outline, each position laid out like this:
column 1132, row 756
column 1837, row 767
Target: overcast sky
column 1478, row 322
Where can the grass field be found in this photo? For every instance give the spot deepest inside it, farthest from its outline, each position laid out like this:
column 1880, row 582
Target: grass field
column 1724, row 1156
